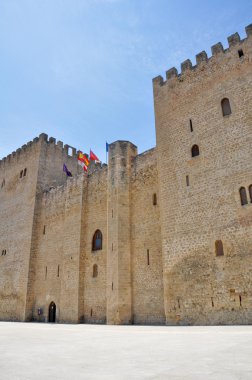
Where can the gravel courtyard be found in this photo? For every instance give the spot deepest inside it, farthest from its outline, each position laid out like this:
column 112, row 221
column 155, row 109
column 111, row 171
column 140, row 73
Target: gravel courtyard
column 44, row 351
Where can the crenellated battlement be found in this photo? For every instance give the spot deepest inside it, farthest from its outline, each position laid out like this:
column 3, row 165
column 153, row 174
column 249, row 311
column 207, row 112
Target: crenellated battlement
column 31, row 145
column 202, row 59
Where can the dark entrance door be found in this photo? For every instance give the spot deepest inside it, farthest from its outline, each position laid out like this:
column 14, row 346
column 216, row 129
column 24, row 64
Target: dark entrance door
column 52, row 313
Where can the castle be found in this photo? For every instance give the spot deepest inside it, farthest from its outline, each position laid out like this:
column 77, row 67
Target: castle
column 162, row 237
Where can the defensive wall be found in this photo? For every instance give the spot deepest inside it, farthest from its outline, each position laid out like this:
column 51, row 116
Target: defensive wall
column 174, row 224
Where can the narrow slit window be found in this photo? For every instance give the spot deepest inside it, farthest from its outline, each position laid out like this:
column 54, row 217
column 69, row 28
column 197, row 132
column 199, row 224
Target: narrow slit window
column 154, row 199
column 191, row 126
column 240, row 300
column 250, row 193
column 25, row 171
column 187, row 180
column 243, row 196
column 219, row 248
column 226, row 108
column 21, row 174
column 148, row 257
column 44, row 230
column 45, row 273
column 95, row 270
column 58, row 271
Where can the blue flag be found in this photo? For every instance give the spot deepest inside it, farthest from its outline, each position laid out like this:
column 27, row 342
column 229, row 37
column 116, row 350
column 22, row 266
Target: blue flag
column 107, row 146
column 68, row 173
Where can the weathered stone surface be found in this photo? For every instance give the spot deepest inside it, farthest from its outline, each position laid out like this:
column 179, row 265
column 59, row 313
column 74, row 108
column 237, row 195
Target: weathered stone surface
column 160, row 213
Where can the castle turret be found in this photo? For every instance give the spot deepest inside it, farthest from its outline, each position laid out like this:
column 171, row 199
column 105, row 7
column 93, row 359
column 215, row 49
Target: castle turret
column 119, row 297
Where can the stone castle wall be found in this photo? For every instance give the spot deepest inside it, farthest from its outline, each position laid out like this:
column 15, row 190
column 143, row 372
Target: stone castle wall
column 160, row 212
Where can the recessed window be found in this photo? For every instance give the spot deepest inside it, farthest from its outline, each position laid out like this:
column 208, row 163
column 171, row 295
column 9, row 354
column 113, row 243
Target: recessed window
column 243, row 196
column 3, row 183
column 219, row 248
column 25, row 171
column 4, row 252
column 148, row 257
column 97, row 241
column 250, row 193
column 44, row 230
column 58, row 273
column 226, row 108
column 21, row 174
column 195, row 151
column 95, row 270
column 240, row 53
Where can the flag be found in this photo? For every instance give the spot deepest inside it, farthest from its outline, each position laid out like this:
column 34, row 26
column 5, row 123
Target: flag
column 84, row 167
column 93, row 157
column 107, row 147
column 83, row 161
column 68, row 173
column 83, row 158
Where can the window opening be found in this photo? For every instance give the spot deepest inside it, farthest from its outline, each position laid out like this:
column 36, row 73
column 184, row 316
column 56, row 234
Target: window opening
column 219, row 248
column 240, row 53
column 226, row 108
column 195, row 150
column 97, row 241
column 154, row 199
column 187, row 180
column 243, row 196
column 191, row 127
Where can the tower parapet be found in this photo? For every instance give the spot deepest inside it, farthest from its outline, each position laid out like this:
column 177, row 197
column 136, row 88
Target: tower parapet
column 202, row 59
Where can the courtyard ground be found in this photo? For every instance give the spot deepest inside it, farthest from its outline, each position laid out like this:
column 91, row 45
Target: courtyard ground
column 46, row 351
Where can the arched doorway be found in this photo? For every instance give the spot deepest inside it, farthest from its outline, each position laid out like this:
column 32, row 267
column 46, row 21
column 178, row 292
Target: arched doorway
column 52, row 313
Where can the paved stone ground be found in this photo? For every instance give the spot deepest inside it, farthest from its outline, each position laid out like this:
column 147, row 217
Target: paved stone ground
column 44, row 351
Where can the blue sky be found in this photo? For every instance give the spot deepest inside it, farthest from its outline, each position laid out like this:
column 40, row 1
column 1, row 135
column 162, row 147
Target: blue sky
column 81, row 70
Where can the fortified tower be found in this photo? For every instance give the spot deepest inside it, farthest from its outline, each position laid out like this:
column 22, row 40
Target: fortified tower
column 204, row 138
column 119, row 282
column 25, row 174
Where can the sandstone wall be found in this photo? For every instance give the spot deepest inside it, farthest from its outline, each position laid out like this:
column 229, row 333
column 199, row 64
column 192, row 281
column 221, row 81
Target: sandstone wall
column 200, row 287
column 147, row 265
column 57, row 252
column 17, row 202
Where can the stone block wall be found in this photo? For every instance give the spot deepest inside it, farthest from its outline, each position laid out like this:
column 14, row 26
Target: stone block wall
column 200, row 201
column 147, row 264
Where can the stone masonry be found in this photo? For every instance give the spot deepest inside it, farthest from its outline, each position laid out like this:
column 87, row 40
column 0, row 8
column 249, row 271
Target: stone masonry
column 175, row 221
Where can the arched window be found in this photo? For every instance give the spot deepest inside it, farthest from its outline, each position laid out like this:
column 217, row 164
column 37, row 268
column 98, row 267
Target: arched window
column 243, row 195
column 226, row 108
column 97, row 241
column 21, row 174
column 195, row 151
column 250, row 193
column 95, row 270
column 219, row 248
